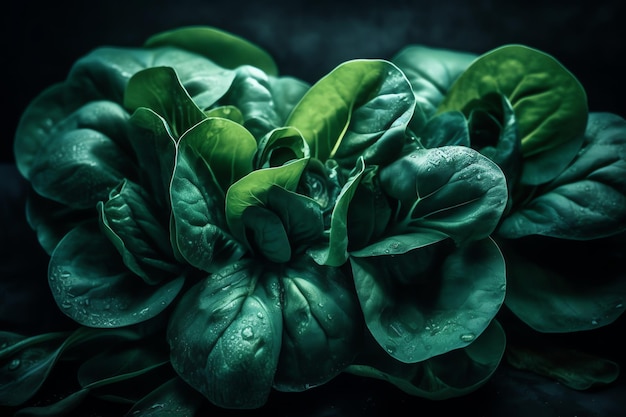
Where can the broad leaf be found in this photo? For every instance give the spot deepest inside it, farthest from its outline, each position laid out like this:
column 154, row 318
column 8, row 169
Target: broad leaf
column 174, row 398
column 549, row 103
column 444, row 129
column 263, row 100
column 200, row 230
column 91, row 284
column 360, row 109
column 454, row 374
column 588, row 199
column 322, row 325
column 452, row 190
column 225, row 335
column 225, row 49
column 431, row 72
column 419, row 306
column 252, row 190
column 160, row 90
column 139, row 233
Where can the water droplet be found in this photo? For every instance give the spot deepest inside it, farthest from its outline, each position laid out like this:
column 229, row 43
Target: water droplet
column 390, row 349
column 468, row 337
column 247, row 333
column 14, row 364
column 259, row 315
column 620, row 305
column 594, row 322
column 478, row 177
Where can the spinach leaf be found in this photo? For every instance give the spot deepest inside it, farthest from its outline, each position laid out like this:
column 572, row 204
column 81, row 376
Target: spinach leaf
column 418, row 304
column 360, row 109
column 225, row 335
column 587, row 200
column 549, row 103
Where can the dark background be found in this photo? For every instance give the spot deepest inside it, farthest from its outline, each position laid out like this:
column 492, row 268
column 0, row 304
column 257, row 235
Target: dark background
column 41, row 40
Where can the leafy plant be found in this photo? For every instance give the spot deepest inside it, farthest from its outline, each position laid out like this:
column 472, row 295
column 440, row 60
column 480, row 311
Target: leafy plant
column 236, row 232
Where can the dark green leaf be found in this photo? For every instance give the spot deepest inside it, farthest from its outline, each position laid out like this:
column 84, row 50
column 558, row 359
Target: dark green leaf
column 160, row 90
column 445, row 129
column 225, row 49
column 452, row 190
column 588, row 199
column 431, row 72
column 174, row 399
column 416, row 310
column 322, row 325
column 91, row 284
column 453, row 374
column 225, row 335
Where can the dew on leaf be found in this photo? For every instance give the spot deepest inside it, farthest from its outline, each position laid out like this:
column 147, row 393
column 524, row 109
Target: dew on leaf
column 468, row 337
column 14, row 364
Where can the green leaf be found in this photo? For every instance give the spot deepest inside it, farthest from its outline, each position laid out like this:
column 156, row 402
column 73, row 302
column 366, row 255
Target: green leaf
column 588, row 199
column 155, row 150
column 174, row 398
column 252, row 190
column 226, row 148
column 335, row 252
column 225, row 49
column 360, row 109
column 431, row 72
column 416, row 309
column 226, row 112
column 91, row 284
column 130, row 220
column 225, row 335
column 550, row 104
column 280, row 146
column 264, row 101
column 79, row 167
column 199, row 223
column 559, row 285
column 445, row 129
column 571, row 367
column 60, row 408
column 322, row 328
column 453, row 190
column 451, row 375
column 160, row 90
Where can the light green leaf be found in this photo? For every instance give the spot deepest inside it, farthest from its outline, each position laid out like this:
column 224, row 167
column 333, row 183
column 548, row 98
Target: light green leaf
column 360, row 109
column 253, row 190
column 550, row 104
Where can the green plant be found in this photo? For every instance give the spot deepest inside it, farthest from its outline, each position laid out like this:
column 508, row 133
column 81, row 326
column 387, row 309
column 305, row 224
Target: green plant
column 222, row 231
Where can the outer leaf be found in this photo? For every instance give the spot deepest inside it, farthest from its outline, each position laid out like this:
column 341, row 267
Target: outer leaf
column 322, row 325
column 174, row 398
column 225, row 336
column 453, row 190
column 565, row 291
column 225, row 49
column 264, row 101
column 549, row 102
column 129, row 219
column 253, row 190
column 159, row 89
column 360, row 109
column 416, row 313
column 431, row 72
column 91, row 284
column 588, row 199
column 450, row 375
column 101, row 76
column 78, row 168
